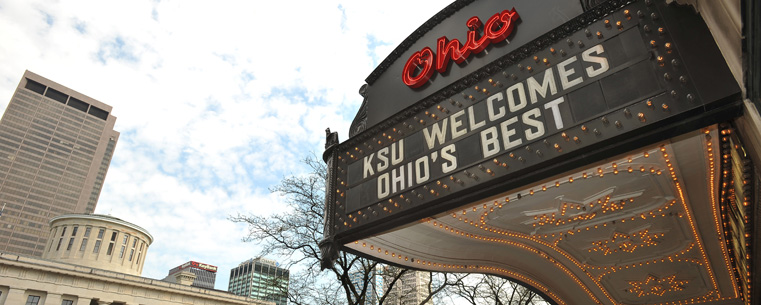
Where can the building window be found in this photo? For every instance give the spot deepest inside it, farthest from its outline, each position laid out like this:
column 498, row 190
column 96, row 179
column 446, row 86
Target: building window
column 97, row 247
column 126, row 238
column 87, row 231
column 32, row 300
column 111, row 244
column 131, row 253
column 121, row 252
column 59, row 244
column 71, row 242
column 67, row 302
column 64, row 231
column 74, row 231
column 100, row 233
column 84, row 244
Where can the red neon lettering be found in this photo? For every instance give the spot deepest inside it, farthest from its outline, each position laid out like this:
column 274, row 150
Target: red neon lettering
column 419, row 67
column 423, row 59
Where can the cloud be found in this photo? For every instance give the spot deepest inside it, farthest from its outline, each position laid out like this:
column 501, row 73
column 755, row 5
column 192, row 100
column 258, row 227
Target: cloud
column 216, row 101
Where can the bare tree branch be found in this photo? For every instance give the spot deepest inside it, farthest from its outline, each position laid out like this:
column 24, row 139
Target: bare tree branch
column 295, row 235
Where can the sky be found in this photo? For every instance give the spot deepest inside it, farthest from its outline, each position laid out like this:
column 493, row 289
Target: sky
column 216, row 101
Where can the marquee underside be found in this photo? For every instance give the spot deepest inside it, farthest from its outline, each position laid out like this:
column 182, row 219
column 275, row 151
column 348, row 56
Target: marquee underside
column 644, row 227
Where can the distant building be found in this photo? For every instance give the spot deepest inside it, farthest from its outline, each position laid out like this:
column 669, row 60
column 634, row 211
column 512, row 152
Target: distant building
column 206, row 274
column 260, row 279
column 410, row 289
column 94, row 260
column 374, row 284
column 55, row 148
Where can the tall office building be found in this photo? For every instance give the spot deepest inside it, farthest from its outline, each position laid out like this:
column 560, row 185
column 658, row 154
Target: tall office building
column 261, row 279
column 55, row 148
column 374, row 289
column 410, row 289
column 206, row 274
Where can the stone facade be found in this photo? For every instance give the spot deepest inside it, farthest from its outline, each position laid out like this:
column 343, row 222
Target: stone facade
column 55, row 283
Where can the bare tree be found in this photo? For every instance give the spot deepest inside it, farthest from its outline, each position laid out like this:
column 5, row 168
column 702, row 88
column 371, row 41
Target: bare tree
column 478, row 289
column 295, row 235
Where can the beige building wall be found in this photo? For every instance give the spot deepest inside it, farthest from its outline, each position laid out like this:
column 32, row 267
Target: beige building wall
column 55, row 282
column 98, row 241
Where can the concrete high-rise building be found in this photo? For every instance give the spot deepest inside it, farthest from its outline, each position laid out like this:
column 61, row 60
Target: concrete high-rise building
column 410, row 289
column 375, row 286
column 206, row 274
column 55, row 147
column 261, row 279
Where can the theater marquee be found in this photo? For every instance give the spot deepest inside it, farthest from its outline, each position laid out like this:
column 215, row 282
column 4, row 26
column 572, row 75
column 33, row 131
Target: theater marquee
column 627, row 92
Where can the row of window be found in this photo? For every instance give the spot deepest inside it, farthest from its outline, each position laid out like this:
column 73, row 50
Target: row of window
column 87, row 135
column 35, row 300
column 34, row 158
column 65, row 99
column 99, row 241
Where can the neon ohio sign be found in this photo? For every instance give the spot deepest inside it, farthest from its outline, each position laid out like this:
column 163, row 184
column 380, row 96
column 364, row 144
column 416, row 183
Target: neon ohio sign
column 420, row 66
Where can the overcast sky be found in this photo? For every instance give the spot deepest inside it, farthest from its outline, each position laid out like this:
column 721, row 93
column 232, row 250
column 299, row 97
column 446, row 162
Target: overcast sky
column 216, row 101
